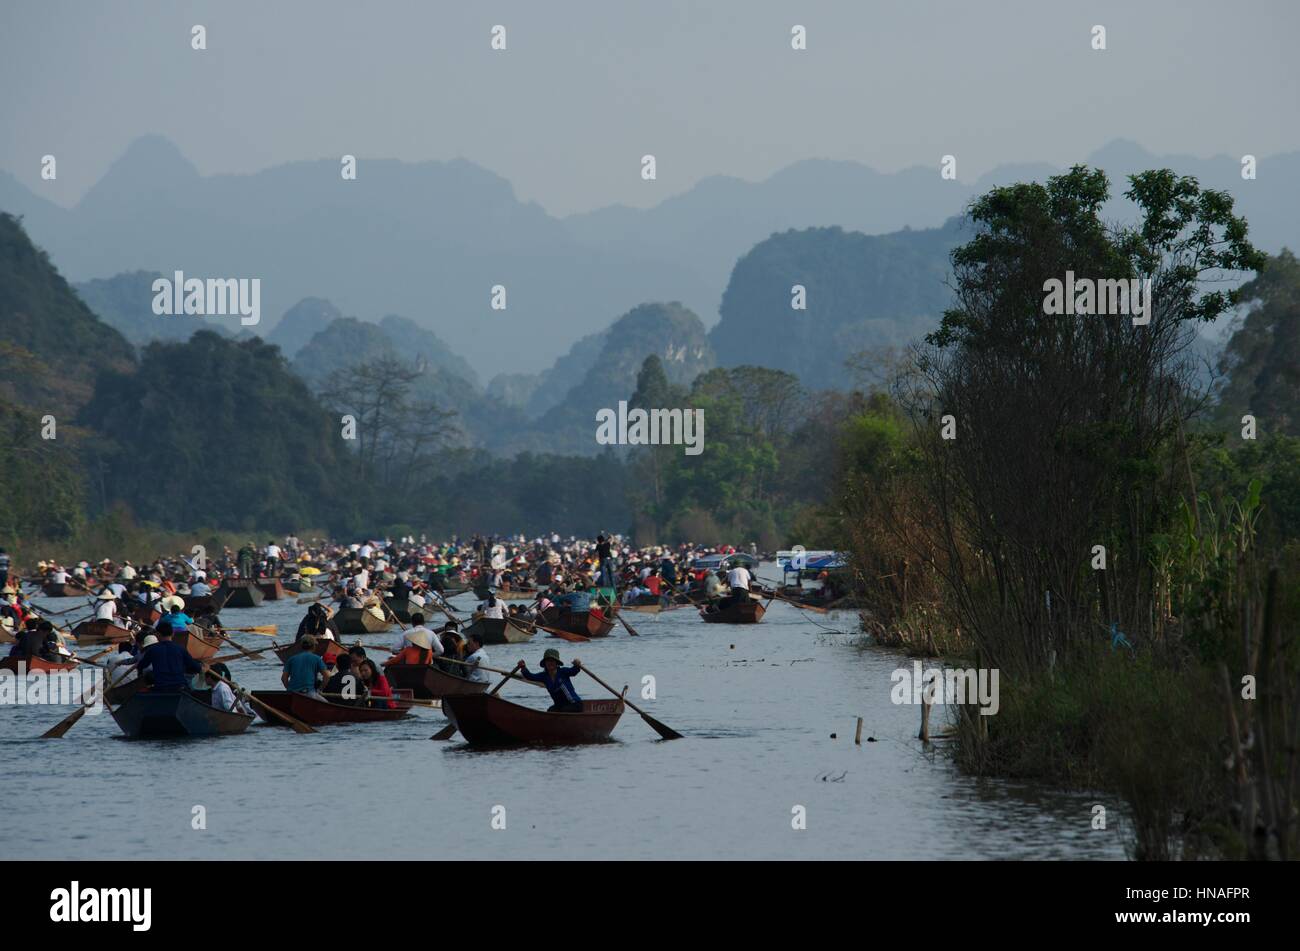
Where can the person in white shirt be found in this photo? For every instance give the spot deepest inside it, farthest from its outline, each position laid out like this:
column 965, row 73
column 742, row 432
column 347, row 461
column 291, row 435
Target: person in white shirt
column 127, row 573
column 117, row 588
column 739, row 578
column 492, row 607
column 106, row 607
column 223, row 698
column 409, row 636
column 361, row 579
column 59, row 576
column 476, row 659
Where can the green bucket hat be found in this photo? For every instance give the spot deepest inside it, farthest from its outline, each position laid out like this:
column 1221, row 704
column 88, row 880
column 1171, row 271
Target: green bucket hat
column 552, row 654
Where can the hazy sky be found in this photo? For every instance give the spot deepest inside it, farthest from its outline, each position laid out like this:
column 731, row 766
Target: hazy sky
column 586, row 88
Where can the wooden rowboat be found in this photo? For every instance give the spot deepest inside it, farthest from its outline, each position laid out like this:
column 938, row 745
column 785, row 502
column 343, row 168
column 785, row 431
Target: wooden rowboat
column 738, row 612
column 139, row 611
column 196, row 604
column 402, row 608
column 150, row 714
column 321, row 712
column 499, row 630
column 359, row 621
column 34, row 664
column 200, row 644
column 272, row 590
column 242, row 593
column 101, row 632
column 324, row 648
column 585, row 623
column 486, row 720
column 430, row 682
column 68, row 590
column 122, row 692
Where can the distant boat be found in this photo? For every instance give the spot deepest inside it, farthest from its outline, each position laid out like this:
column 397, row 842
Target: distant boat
column 242, row 593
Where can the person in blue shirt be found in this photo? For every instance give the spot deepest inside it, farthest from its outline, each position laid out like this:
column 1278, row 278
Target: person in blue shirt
column 175, row 618
column 303, row 669
column 557, row 680
column 575, row 601
column 171, row 664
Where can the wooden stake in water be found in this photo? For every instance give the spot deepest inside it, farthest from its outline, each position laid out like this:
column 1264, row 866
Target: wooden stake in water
column 857, row 737
column 925, row 717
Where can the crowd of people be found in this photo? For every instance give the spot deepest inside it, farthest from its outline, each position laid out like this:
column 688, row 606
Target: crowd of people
column 148, row 601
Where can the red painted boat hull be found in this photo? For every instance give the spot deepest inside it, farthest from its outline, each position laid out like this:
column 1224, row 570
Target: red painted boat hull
column 428, row 682
column 322, row 712
column 487, row 720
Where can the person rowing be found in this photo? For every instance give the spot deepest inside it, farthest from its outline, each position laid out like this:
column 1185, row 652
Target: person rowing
column 557, row 680
column 223, row 698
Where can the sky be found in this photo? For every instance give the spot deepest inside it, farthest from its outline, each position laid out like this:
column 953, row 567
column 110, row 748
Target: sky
column 585, row 89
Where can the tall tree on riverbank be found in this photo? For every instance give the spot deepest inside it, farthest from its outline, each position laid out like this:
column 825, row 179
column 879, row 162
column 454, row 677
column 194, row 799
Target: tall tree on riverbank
column 1066, row 430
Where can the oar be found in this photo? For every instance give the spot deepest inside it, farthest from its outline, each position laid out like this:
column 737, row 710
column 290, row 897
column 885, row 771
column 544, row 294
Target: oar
column 797, row 604
column 298, row 725
column 618, row 615
column 266, row 630
column 554, row 632
column 251, row 655
column 447, row 732
column 67, row 723
column 668, row 733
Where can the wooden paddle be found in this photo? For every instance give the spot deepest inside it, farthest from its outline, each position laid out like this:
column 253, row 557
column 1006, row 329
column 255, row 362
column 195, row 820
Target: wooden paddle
column 298, row 725
column 797, row 604
column 618, row 615
column 266, row 630
column 554, row 632
column 667, row 732
column 67, row 723
column 251, row 655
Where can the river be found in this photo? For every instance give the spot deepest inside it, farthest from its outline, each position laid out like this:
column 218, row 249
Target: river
column 758, row 705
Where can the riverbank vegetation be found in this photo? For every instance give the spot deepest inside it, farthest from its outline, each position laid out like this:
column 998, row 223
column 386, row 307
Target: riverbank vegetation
column 1065, row 499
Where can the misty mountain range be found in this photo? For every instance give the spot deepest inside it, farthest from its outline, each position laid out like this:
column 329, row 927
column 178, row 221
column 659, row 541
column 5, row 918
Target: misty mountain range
column 428, row 241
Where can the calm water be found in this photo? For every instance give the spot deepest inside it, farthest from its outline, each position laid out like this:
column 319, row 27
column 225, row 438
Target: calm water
column 758, row 705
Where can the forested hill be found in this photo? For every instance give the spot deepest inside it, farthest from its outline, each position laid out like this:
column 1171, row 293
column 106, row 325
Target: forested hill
column 51, row 345
column 862, row 292
column 215, row 431
column 125, row 303
column 669, row 331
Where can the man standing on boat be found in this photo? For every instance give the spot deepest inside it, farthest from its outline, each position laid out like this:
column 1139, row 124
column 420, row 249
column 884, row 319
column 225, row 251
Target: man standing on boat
column 557, row 680
column 605, row 559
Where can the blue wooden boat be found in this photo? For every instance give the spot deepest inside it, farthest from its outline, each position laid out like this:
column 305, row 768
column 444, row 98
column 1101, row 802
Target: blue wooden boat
column 150, row 714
